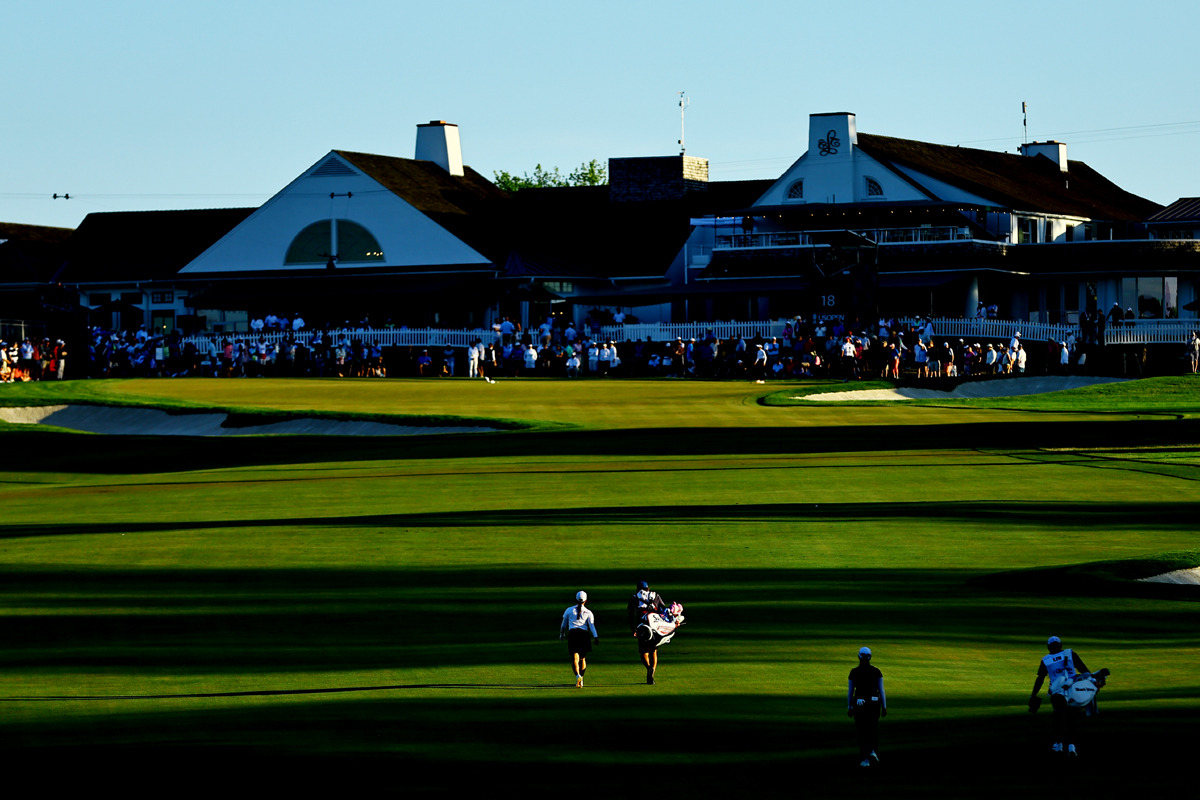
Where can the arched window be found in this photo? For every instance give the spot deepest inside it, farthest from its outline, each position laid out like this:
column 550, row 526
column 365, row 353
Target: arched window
column 351, row 242
column 311, row 245
column 796, row 190
column 356, row 244
column 873, row 188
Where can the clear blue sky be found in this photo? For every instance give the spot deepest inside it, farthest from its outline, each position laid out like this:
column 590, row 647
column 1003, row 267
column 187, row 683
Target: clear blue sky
column 145, row 105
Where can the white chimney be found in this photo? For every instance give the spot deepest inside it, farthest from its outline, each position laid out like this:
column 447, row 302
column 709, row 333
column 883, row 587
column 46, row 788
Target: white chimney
column 831, row 137
column 438, row 142
column 1055, row 151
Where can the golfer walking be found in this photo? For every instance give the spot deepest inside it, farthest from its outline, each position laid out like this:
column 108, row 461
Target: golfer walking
column 642, row 603
column 579, row 629
column 1061, row 667
column 866, row 703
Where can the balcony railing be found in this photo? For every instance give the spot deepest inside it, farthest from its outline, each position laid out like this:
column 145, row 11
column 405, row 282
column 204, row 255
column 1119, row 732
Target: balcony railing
column 744, row 241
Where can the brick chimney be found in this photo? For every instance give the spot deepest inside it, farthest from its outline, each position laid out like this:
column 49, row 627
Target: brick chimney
column 656, row 177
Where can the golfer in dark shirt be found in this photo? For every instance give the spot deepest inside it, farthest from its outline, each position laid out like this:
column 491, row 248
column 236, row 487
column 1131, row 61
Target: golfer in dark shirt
column 866, row 703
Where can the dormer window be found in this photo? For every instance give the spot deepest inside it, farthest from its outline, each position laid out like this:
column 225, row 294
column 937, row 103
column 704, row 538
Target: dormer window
column 796, row 191
column 873, row 188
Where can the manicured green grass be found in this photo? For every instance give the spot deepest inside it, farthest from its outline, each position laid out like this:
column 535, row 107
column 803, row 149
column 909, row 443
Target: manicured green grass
column 427, row 579
column 1177, row 395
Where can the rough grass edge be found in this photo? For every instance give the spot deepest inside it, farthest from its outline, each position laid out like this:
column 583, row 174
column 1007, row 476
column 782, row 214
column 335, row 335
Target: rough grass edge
column 1116, row 577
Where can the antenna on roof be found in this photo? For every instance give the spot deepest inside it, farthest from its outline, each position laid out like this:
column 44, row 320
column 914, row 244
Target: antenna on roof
column 1025, row 120
column 684, row 102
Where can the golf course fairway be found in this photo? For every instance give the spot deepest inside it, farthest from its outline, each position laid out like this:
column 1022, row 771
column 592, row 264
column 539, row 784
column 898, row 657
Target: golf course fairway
column 311, row 609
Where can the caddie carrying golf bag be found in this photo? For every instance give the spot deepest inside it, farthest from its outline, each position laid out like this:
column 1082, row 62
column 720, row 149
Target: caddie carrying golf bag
column 1081, row 693
column 659, row 626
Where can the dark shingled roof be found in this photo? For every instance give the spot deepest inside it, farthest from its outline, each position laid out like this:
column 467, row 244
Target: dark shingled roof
column 143, row 245
column 577, row 231
column 33, row 233
column 30, row 253
column 1185, row 209
column 1025, row 183
column 457, row 203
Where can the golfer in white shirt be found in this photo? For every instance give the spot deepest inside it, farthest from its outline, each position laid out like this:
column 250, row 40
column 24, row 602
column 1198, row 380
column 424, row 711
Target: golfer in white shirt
column 579, row 629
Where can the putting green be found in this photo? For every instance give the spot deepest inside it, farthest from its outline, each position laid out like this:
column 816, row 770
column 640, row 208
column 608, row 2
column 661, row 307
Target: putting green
column 404, row 596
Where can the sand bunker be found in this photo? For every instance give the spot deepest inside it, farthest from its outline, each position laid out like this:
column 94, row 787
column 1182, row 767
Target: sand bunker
column 152, row 422
column 1186, row 576
column 1000, row 387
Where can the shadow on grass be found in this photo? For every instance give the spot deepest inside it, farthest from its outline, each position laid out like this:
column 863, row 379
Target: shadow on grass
column 1068, row 515
column 711, row 745
column 1117, row 578
column 45, row 451
column 245, row 621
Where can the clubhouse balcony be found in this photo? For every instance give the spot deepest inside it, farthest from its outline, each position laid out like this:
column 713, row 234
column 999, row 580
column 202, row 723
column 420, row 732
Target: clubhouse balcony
column 877, row 236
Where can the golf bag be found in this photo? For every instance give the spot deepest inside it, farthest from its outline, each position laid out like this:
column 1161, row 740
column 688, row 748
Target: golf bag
column 1081, row 693
column 659, row 627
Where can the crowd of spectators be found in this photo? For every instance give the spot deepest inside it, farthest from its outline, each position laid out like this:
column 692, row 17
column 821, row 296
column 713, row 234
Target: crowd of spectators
column 817, row 348
column 31, row 360
column 807, row 349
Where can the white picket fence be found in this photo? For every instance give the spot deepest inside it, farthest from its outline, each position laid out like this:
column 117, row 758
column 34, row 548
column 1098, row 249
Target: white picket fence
column 664, row 331
column 386, row 337
column 1137, row 332
column 1147, row 331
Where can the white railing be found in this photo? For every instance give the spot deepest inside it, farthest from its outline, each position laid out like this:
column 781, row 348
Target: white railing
column 1158, row 331
column 1146, row 331
column 669, row 331
column 386, row 337
column 941, row 233
column 1151, row 331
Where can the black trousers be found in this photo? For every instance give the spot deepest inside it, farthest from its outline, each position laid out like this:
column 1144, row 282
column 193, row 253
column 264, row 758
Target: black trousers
column 1065, row 718
column 866, row 723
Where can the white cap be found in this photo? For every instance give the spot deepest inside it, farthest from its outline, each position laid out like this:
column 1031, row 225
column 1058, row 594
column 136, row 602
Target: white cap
column 1053, row 639
column 581, row 596
column 864, row 652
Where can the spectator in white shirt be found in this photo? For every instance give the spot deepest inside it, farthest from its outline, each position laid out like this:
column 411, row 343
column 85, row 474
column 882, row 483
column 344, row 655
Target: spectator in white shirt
column 604, row 358
column 298, row 323
column 578, row 627
column 531, row 359
column 473, row 360
column 593, row 354
column 1020, row 358
column 573, row 366
column 619, row 317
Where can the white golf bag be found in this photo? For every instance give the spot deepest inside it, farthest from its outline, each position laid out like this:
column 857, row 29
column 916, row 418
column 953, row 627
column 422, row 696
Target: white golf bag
column 1081, row 693
column 660, row 627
